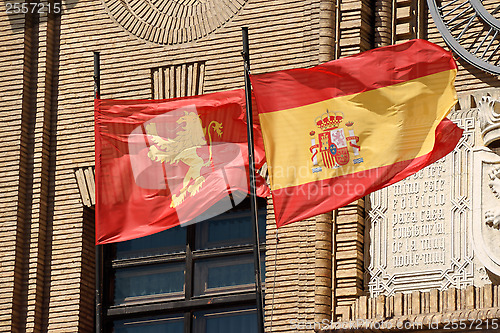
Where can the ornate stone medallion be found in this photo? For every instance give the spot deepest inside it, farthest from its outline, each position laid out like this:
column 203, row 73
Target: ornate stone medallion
column 471, row 28
column 172, row 21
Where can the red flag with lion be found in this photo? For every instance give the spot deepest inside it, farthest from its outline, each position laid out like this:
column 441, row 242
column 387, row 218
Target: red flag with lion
column 161, row 163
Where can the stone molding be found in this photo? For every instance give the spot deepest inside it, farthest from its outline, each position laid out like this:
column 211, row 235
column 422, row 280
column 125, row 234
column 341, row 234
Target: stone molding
column 431, row 307
column 475, row 319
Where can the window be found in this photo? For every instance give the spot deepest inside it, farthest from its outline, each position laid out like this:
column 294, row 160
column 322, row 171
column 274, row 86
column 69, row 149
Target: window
column 242, row 320
column 198, row 278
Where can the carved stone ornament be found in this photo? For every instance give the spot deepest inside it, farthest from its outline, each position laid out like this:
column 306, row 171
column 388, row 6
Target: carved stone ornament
column 440, row 228
column 489, row 117
column 471, row 28
column 417, row 229
column 492, row 216
column 170, row 22
column 486, row 208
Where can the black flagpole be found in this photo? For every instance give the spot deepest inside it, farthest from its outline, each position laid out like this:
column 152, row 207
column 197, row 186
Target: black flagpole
column 253, row 194
column 98, row 248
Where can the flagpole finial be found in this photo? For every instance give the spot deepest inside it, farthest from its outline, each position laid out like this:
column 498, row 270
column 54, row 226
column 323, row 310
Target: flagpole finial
column 245, row 52
column 97, row 75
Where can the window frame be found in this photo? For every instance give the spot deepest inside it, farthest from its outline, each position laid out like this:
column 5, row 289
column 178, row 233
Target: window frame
column 188, row 303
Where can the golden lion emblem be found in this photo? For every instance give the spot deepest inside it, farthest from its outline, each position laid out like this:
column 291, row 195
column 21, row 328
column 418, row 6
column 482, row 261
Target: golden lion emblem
column 183, row 148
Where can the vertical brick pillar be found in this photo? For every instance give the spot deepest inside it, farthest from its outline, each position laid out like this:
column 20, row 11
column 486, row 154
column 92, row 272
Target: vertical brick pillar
column 18, row 67
column 356, row 26
column 327, row 30
column 323, row 270
column 410, row 20
column 43, row 169
column 383, row 23
column 349, row 222
column 290, row 275
column 324, row 222
column 355, row 34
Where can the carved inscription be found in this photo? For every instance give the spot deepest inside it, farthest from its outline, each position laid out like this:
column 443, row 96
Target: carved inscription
column 418, row 229
column 418, row 216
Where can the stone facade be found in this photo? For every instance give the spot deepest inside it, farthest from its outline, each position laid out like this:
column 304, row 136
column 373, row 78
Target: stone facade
column 386, row 23
column 46, row 60
column 315, row 268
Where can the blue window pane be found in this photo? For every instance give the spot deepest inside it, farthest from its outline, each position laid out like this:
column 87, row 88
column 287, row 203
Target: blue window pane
column 148, row 282
column 150, row 325
column 219, row 275
column 230, row 229
column 229, row 275
column 169, row 241
column 237, row 320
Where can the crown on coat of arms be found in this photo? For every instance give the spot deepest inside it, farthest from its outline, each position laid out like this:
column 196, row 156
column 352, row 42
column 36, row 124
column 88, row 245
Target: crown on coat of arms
column 328, row 121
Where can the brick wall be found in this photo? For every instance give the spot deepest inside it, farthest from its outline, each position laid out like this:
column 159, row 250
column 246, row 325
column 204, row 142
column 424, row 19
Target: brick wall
column 395, row 21
column 282, row 35
column 47, row 246
column 47, row 234
column 18, row 68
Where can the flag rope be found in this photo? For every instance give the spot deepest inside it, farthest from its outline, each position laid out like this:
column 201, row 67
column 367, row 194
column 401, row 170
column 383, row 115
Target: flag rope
column 274, row 280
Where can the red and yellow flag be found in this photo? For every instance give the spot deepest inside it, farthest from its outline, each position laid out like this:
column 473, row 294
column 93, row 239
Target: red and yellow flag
column 341, row 130
column 161, row 163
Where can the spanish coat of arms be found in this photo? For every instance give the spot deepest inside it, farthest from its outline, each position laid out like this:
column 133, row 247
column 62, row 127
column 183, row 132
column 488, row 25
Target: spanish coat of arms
column 333, row 143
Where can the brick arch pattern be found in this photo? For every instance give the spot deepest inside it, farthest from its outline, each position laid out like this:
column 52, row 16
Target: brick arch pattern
column 168, row 22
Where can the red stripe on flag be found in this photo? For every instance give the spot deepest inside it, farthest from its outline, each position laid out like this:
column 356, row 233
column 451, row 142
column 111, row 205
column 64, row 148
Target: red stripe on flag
column 346, row 76
column 299, row 202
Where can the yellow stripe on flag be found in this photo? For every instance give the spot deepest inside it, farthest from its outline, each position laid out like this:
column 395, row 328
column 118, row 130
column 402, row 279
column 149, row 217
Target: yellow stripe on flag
column 394, row 123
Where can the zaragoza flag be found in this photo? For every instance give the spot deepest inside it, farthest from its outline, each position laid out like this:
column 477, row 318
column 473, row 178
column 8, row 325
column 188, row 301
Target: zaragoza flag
column 161, row 163
column 339, row 131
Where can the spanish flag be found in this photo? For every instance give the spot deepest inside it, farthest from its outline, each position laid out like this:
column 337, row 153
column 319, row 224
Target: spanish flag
column 341, row 130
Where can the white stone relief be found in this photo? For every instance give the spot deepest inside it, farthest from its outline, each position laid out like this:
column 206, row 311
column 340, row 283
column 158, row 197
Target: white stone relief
column 483, row 276
column 417, row 227
column 440, row 228
column 486, row 222
column 495, row 182
column 492, row 216
column 489, row 117
column 486, row 206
